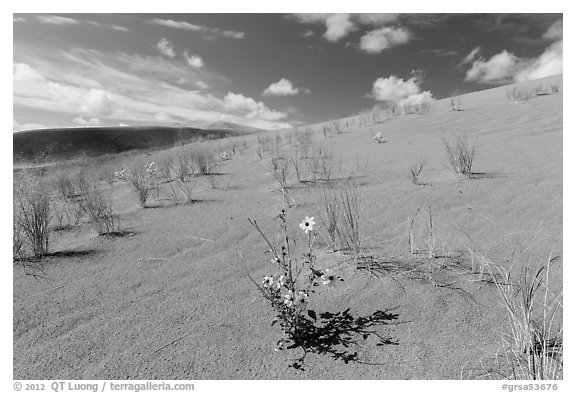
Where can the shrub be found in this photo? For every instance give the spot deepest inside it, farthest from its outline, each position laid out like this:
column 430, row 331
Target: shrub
column 99, row 209
column 460, row 155
column 140, row 180
column 33, row 216
column 205, row 161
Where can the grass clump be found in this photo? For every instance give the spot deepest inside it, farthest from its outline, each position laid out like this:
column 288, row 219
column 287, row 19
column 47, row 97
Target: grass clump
column 460, row 155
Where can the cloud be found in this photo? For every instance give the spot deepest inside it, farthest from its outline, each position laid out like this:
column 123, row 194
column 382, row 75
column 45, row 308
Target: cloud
column 17, row 19
column 471, row 56
column 27, row 126
column 554, row 32
column 128, row 88
column 283, row 87
column 399, row 91
column 79, row 120
column 250, row 108
column 339, row 26
column 547, row 64
column 22, row 72
column 378, row 40
column 165, row 47
column 57, row 20
column 193, row 60
column 500, row 68
column 90, row 102
column 199, row 28
column 506, row 67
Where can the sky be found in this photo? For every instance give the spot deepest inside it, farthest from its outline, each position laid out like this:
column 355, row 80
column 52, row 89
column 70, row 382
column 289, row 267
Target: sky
column 268, row 71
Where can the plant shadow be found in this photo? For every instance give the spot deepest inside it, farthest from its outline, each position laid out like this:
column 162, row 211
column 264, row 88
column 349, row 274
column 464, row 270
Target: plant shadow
column 334, row 333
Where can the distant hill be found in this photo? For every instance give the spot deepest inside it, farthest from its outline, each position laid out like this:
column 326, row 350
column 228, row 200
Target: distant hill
column 94, row 141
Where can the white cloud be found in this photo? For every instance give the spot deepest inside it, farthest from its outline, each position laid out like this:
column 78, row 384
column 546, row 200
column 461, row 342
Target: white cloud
column 506, row 67
column 57, row 20
column 339, row 26
column 163, row 117
column 79, row 120
column 471, row 56
column 547, row 64
column 250, row 108
column 23, row 72
column 283, row 87
column 554, row 32
column 17, row 19
column 88, row 102
column 120, row 87
column 400, row 91
column 500, row 68
column 199, row 28
column 27, row 126
column 193, row 60
column 165, row 47
column 376, row 41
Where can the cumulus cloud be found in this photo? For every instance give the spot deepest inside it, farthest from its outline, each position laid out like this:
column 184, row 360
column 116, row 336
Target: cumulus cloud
column 181, row 25
column 376, row 41
column 500, row 68
column 339, row 26
column 88, row 102
column 547, row 64
column 505, row 67
column 166, row 48
column 57, row 20
column 193, row 60
column 79, row 120
column 283, row 87
column 399, row 91
column 250, row 108
column 22, row 72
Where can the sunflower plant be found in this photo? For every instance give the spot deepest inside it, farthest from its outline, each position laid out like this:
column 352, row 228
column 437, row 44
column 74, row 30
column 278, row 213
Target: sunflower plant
column 295, row 279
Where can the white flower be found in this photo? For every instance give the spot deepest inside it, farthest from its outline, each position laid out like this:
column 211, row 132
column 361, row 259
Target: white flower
column 280, row 282
column 268, row 282
column 308, row 224
column 289, row 298
column 302, row 298
column 329, row 278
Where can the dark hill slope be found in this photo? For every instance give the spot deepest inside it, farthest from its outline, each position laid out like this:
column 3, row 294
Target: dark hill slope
column 93, row 141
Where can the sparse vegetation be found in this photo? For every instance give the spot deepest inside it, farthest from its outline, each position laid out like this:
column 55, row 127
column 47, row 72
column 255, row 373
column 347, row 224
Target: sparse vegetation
column 460, row 154
column 532, row 340
column 33, row 216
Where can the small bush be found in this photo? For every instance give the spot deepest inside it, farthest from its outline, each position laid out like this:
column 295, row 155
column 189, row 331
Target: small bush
column 139, row 179
column 460, row 155
column 33, row 216
column 99, row 209
column 205, row 161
